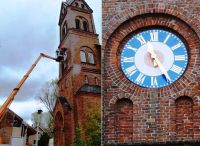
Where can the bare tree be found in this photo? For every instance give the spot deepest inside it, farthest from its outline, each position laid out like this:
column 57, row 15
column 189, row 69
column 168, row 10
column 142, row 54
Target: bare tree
column 48, row 95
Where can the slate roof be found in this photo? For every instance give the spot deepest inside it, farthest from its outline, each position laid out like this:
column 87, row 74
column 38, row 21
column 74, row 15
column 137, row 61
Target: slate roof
column 91, row 88
column 64, row 101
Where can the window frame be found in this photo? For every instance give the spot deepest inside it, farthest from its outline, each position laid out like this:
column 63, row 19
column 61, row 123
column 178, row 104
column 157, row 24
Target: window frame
column 83, row 60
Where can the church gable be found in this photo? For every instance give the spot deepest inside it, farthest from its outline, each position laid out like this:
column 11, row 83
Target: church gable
column 81, row 4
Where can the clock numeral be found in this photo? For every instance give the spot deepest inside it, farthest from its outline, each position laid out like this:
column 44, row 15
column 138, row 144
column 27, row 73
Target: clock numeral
column 154, row 81
column 141, row 39
column 131, row 70
column 128, row 59
column 131, row 48
column 166, row 39
column 176, row 46
column 179, row 57
column 154, row 36
column 176, row 69
column 140, row 79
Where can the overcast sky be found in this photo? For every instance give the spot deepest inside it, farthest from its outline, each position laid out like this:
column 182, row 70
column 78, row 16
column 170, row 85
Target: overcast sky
column 28, row 28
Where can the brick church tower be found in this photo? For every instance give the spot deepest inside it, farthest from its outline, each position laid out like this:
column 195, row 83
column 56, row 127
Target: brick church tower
column 79, row 73
column 151, row 73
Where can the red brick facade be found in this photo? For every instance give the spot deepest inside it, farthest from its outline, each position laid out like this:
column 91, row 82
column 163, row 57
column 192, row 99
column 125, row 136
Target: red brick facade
column 133, row 115
column 79, row 78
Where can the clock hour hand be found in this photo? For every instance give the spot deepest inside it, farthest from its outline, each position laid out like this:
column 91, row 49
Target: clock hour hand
column 154, row 57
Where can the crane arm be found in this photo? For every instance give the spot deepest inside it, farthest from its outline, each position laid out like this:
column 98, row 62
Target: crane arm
column 19, row 85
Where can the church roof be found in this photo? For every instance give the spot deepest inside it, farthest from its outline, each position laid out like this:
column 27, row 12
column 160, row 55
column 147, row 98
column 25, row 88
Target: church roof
column 64, row 101
column 69, row 2
column 91, row 88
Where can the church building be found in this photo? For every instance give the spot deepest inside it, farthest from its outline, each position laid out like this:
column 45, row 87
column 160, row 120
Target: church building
column 79, row 73
column 151, row 73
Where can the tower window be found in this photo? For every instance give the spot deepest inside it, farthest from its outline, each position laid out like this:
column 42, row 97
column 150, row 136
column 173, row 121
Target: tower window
column 64, row 30
column 83, row 56
column 77, row 23
column 85, row 26
column 86, row 79
column 83, row 6
column 76, row 4
column 91, row 58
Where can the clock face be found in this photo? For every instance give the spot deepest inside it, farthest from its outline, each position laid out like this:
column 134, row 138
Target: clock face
column 154, row 58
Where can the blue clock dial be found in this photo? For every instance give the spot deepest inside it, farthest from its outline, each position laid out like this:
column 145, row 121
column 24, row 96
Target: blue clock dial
column 154, row 58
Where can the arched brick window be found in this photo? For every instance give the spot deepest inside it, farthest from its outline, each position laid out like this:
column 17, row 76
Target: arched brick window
column 77, row 21
column 184, row 118
column 90, row 58
column 83, row 56
column 124, row 120
column 87, row 55
column 82, row 6
column 76, row 4
column 81, row 23
column 85, row 26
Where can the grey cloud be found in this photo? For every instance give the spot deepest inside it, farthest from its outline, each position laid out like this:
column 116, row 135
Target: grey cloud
column 26, row 93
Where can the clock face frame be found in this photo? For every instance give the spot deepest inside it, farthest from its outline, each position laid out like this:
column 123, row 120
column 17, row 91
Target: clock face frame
column 161, row 66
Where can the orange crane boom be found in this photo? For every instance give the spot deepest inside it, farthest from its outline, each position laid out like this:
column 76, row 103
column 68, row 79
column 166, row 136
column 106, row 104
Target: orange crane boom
column 19, row 85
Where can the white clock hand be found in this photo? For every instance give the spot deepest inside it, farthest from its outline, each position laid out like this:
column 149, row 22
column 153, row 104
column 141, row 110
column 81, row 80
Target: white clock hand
column 151, row 51
column 154, row 56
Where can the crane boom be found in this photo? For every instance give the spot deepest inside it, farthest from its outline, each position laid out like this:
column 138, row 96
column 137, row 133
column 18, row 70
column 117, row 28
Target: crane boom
column 19, row 85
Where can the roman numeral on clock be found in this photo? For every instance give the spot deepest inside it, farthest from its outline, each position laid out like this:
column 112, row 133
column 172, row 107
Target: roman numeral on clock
column 131, row 70
column 141, row 39
column 179, row 57
column 131, row 48
column 176, row 46
column 140, row 79
column 154, row 81
column 154, row 36
column 176, row 69
column 166, row 39
column 128, row 59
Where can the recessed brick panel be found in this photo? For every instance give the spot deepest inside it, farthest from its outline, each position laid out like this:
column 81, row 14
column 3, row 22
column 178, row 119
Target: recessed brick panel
column 123, row 121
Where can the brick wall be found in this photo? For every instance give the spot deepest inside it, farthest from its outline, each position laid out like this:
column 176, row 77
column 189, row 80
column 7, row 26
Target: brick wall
column 6, row 128
column 157, row 114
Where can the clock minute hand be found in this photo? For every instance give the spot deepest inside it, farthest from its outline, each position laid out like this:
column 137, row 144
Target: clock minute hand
column 154, row 56
column 162, row 69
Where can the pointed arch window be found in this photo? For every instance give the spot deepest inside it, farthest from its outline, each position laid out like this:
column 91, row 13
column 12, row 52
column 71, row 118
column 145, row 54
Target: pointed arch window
column 83, row 56
column 77, row 21
column 90, row 58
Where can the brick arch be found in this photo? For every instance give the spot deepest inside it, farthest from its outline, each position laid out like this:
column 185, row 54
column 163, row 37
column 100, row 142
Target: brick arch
column 59, row 127
column 114, row 99
column 161, row 8
column 184, row 118
column 123, row 121
column 123, row 33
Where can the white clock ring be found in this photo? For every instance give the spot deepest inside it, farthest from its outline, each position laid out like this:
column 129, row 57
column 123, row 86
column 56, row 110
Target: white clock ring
column 154, row 57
